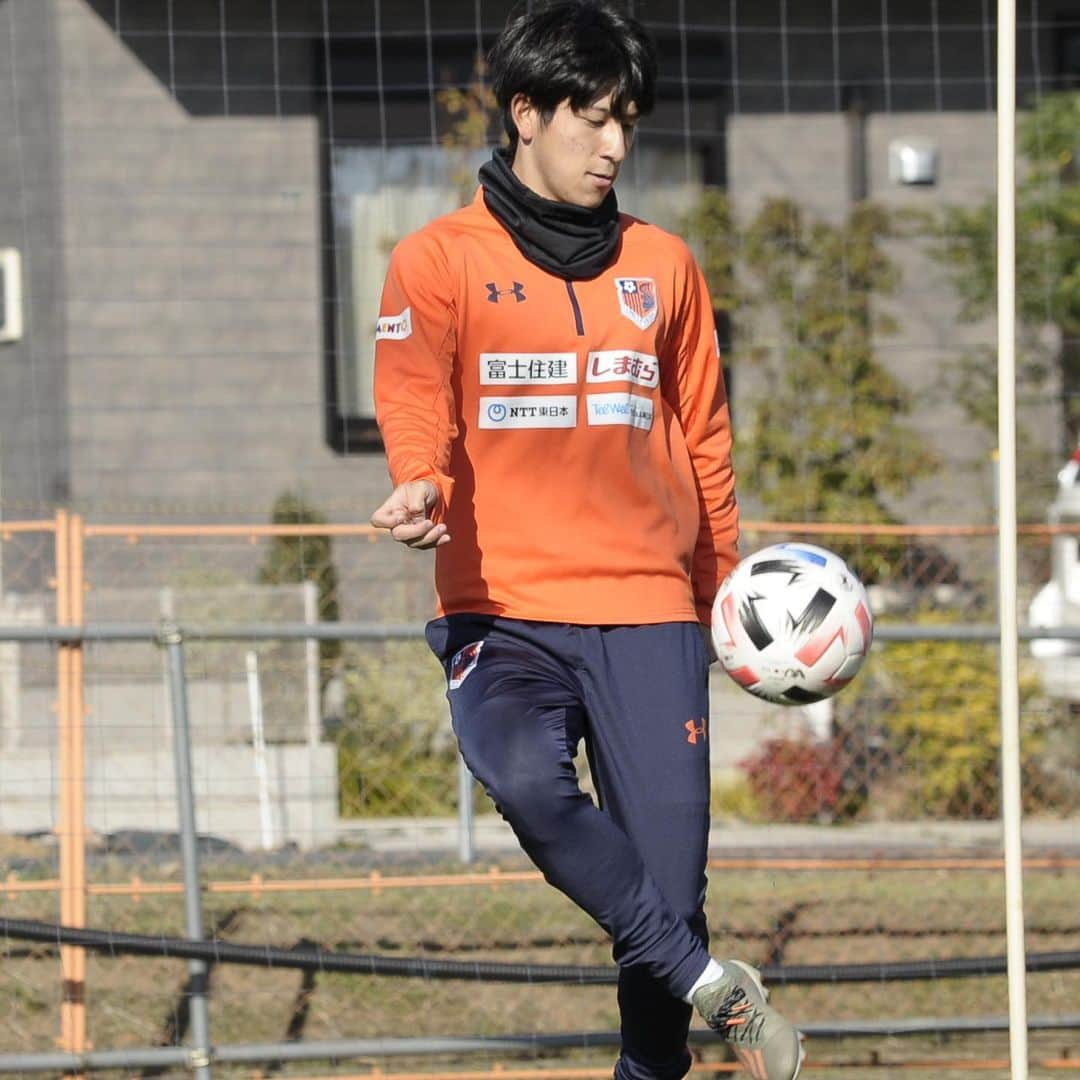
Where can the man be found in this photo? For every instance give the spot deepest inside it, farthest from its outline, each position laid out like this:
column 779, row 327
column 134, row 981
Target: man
column 549, row 392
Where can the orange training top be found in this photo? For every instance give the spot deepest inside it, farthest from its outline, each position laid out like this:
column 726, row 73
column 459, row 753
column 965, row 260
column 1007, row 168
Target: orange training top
column 577, row 432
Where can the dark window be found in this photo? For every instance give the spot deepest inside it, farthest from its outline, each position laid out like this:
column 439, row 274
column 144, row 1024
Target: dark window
column 1068, row 55
column 388, row 172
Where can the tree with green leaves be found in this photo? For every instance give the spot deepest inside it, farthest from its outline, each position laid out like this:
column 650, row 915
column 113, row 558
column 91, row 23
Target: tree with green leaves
column 1047, row 269
column 472, row 112
column 295, row 559
column 829, row 440
column 935, row 706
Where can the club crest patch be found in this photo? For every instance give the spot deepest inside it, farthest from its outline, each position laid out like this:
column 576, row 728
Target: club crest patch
column 638, row 300
column 464, row 661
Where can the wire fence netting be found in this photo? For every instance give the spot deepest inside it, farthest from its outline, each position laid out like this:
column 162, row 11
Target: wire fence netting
column 326, row 791
column 198, row 200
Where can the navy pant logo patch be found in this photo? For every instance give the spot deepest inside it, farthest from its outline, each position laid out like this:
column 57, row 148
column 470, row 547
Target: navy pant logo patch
column 464, row 661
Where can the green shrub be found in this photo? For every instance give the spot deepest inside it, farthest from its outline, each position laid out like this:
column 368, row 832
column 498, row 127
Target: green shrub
column 295, row 559
column 937, row 705
column 734, row 800
column 396, row 752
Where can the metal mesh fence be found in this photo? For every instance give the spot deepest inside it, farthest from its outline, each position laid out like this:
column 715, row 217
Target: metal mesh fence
column 202, row 197
column 351, row 731
column 765, row 914
column 27, row 670
column 31, row 770
column 359, row 728
column 292, row 737
column 326, row 789
column 906, row 746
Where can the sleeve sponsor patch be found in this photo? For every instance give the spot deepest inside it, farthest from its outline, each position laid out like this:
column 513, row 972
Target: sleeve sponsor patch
column 394, row 327
column 463, row 663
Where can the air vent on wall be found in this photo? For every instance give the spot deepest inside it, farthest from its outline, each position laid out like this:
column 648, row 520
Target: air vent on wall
column 913, row 161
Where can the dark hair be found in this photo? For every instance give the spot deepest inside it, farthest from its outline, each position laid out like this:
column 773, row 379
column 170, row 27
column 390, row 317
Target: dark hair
column 576, row 50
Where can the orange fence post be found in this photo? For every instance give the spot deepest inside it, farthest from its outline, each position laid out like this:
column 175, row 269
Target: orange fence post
column 76, row 538
column 72, row 811
column 63, row 718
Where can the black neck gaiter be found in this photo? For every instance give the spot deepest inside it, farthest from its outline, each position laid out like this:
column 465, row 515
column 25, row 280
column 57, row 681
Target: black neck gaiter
column 571, row 242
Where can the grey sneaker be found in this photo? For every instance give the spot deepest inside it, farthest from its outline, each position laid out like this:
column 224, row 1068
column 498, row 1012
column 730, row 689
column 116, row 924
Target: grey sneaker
column 766, row 1044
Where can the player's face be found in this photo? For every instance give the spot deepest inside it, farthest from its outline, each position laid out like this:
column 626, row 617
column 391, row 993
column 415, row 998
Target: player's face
column 574, row 157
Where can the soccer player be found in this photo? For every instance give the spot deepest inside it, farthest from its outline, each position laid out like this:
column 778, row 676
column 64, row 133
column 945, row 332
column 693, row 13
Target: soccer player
column 549, row 391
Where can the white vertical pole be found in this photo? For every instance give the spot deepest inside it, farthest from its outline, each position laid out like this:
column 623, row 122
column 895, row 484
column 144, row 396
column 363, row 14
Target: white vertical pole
column 1011, row 804
column 466, row 831
column 258, row 744
column 311, row 666
column 313, row 697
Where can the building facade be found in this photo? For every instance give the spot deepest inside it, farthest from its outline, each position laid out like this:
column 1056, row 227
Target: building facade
column 203, row 195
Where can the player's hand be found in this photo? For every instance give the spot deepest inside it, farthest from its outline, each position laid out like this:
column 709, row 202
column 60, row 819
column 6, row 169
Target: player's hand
column 407, row 514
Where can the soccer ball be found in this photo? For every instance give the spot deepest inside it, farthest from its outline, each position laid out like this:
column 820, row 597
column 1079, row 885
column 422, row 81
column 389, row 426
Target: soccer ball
column 792, row 624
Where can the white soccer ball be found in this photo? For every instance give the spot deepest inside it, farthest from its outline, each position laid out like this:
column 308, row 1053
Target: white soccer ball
column 792, row 624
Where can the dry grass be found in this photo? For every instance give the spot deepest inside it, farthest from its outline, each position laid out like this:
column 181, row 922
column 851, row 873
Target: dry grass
column 795, row 916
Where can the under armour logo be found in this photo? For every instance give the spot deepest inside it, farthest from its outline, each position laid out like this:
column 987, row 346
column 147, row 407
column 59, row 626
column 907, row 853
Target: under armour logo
column 494, row 292
column 696, row 729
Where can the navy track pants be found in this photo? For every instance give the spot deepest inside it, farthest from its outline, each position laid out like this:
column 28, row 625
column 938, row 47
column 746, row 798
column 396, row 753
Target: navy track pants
column 522, row 697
